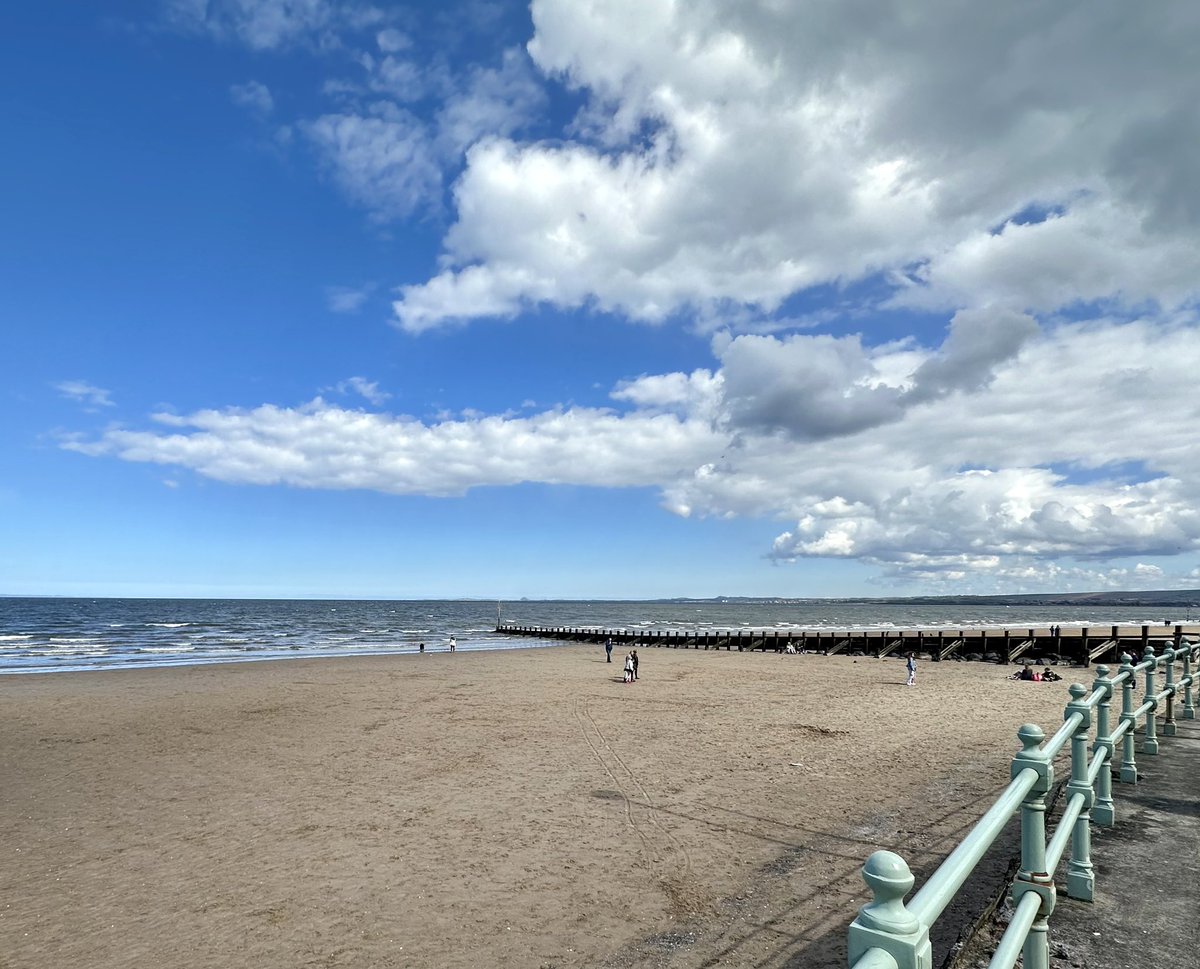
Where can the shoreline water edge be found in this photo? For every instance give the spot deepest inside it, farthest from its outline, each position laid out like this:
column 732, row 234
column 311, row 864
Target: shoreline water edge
column 39, row 635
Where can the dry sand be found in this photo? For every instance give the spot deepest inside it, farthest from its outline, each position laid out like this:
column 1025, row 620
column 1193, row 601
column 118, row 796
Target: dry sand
column 522, row 808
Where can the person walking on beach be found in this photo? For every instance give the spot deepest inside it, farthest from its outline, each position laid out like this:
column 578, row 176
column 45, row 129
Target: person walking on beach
column 635, row 663
column 421, row 648
column 608, row 650
column 629, row 667
column 911, row 666
column 453, row 643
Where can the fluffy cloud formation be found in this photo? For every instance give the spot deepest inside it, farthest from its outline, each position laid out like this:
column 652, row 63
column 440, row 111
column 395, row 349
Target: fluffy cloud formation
column 815, row 387
column 746, row 152
column 1052, row 459
column 321, row 446
column 1021, row 176
column 1006, row 477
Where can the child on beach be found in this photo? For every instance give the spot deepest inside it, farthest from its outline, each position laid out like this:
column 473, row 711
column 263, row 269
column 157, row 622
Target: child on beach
column 911, row 666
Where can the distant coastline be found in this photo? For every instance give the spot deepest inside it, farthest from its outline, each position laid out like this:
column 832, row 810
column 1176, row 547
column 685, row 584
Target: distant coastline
column 1174, row 598
column 1165, row 598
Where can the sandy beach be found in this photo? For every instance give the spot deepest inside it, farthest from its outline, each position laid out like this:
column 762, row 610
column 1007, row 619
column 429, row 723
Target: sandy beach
column 518, row 808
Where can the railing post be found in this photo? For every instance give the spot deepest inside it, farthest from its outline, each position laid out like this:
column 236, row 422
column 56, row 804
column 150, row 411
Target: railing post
column 1033, row 876
column 1081, row 880
column 1169, row 685
column 1102, row 810
column 1150, row 736
column 1189, row 711
column 885, row 923
column 1128, row 763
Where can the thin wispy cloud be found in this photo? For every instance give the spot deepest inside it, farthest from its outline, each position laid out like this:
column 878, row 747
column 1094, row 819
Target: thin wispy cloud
column 254, row 96
column 90, row 395
column 266, row 25
column 368, row 390
column 348, row 299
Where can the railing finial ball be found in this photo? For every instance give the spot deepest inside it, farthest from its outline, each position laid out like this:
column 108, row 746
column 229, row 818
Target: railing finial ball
column 887, row 875
column 1030, row 735
column 890, row 879
column 1077, row 690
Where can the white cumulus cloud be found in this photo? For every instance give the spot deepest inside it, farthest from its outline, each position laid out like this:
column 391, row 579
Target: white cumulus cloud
column 747, row 152
column 1027, row 470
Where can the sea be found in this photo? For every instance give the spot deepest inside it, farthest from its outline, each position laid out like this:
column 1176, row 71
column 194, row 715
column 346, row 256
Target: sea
column 42, row 635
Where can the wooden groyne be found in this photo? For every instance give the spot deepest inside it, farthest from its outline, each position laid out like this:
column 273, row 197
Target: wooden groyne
column 1079, row 645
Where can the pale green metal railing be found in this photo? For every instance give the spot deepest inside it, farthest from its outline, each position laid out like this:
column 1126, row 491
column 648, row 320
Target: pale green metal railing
column 887, row 934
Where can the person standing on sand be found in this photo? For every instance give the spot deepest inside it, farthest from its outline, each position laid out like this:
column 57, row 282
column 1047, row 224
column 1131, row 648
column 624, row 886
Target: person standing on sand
column 608, row 650
column 453, row 643
column 911, row 666
column 629, row 667
column 635, row 663
column 421, row 648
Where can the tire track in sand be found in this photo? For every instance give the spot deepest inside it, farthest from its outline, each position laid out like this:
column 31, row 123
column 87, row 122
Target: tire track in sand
column 667, row 856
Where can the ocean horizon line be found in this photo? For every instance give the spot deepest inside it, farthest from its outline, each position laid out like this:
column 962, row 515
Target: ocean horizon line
column 1176, row 598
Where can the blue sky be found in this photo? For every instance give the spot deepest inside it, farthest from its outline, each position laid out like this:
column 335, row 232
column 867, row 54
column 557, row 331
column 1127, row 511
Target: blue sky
column 312, row 297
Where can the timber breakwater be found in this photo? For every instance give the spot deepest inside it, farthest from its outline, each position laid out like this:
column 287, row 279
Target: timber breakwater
column 1081, row 645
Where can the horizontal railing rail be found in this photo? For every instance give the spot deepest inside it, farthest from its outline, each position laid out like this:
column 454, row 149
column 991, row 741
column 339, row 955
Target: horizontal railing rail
column 888, row 933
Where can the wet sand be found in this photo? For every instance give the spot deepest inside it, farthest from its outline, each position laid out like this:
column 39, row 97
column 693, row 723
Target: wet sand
column 518, row 808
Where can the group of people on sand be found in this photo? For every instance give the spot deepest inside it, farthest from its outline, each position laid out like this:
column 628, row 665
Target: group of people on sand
column 1035, row 674
column 631, row 660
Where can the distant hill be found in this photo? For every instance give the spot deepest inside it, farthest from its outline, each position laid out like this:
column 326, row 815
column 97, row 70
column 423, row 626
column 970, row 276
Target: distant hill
column 1177, row 598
